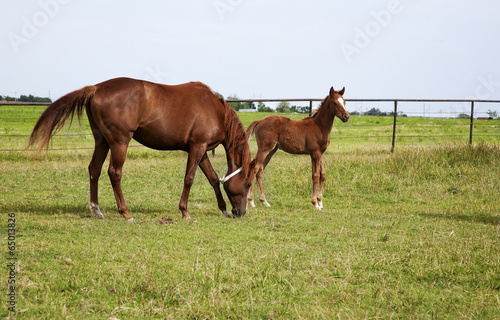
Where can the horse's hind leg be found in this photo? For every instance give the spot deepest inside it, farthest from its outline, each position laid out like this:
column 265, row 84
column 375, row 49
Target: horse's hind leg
column 100, row 152
column 258, row 177
column 260, row 185
column 195, row 156
column 262, row 159
column 316, row 165
column 118, row 155
column 212, row 177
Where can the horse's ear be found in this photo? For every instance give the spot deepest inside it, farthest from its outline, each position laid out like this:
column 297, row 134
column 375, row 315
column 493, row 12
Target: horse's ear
column 341, row 92
column 332, row 91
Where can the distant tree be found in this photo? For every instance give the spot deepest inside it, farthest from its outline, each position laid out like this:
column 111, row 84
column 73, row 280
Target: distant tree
column 463, row 116
column 1, row 98
column 235, row 105
column 26, row 98
column 8, row 99
column 400, row 114
column 376, row 112
column 261, row 107
column 284, row 106
column 248, row 105
column 32, row 98
column 299, row 109
column 490, row 113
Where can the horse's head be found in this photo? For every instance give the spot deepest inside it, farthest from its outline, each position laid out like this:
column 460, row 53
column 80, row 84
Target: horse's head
column 337, row 104
column 240, row 173
column 237, row 187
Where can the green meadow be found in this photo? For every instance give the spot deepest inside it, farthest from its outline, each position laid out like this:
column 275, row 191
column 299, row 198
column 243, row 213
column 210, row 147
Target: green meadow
column 413, row 234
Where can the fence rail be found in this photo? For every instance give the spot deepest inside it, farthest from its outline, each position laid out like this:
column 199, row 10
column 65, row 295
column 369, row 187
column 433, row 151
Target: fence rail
column 394, row 124
column 395, row 112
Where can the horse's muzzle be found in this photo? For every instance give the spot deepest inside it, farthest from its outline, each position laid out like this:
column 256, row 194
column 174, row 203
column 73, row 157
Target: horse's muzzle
column 344, row 118
column 237, row 213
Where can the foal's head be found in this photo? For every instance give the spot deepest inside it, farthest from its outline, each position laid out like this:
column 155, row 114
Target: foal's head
column 337, row 103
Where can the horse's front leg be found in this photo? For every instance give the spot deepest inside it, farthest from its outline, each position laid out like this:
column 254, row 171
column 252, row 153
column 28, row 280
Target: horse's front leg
column 316, row 160
column 195, row 155
column 322, row 177
column 212, row 177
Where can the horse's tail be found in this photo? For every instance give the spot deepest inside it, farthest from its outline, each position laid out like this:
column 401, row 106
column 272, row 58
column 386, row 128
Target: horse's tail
column 251, row 129
column 53, row 118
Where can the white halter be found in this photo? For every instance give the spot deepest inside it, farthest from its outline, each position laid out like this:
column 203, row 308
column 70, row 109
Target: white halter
column 225, row 179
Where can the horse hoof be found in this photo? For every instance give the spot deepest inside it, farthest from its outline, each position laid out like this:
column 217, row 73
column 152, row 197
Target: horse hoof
column 318, row 207
column 94, row 208
column 131, row 220
column 251, row 203
column 266, row 203
column 226, row 214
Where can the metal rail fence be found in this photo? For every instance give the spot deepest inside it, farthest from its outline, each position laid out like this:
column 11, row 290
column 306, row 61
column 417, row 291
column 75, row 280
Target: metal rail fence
column 395, row 103
column 394, row 114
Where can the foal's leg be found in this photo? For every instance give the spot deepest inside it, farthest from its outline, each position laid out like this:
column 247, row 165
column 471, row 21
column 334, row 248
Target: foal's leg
column 212, row 177
column 322, row 177
column 259, row 168
column 260, row 185
column 100, row 152
column 316, row 160
column 118, row 155
column 251, row 203
column 196, row 154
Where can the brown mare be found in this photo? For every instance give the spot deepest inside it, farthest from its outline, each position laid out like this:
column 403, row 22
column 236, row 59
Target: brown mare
column 310, row 136
column 186, row 117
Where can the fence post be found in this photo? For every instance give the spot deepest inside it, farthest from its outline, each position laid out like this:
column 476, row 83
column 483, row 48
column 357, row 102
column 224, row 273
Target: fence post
column 471, row 121
column 310, row 108
column 394, row 125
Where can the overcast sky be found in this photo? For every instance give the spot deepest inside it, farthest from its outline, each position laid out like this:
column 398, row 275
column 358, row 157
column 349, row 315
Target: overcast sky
column 256, row 48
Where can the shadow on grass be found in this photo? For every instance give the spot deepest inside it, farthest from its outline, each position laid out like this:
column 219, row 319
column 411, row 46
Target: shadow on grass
column 83, row 211
column 76, row 209
column 478, row 218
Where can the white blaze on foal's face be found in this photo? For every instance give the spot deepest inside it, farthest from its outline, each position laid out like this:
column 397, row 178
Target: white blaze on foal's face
column 342, row 102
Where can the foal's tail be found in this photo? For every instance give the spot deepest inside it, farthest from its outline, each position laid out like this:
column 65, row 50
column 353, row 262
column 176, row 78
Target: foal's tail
column 251, row 128
column 53, row 118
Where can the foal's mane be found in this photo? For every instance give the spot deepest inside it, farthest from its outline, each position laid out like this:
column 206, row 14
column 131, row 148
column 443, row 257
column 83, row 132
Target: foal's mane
column 236, row 137
column 320, row 105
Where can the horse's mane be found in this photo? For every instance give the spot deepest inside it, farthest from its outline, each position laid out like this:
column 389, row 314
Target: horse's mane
column 319, row 108
column 236, row 137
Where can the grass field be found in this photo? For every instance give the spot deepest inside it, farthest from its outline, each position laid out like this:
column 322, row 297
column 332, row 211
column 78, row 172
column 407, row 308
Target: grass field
column 361, row 131
column 409, row 234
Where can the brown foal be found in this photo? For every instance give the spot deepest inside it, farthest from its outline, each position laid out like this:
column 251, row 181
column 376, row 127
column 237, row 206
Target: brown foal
column 310, row 136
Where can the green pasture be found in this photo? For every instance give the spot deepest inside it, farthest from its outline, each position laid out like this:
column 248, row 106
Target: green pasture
column 16, row 123
column 413, row 234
